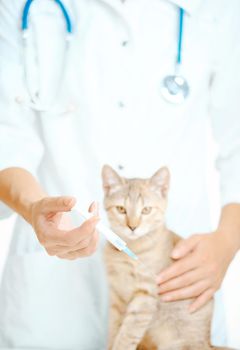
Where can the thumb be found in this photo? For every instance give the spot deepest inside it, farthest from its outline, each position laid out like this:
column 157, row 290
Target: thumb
column 94, row 208
column 185, row 246
column 57, row 204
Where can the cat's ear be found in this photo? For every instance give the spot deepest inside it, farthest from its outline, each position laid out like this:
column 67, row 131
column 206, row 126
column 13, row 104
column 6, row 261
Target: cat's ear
column 161, row 180
column 110, row 178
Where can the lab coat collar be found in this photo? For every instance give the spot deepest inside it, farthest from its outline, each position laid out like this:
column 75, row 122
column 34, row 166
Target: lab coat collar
column 190, row 6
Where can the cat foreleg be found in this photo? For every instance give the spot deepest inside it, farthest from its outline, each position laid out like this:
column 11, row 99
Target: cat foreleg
column 138, row 316
column 115, row 320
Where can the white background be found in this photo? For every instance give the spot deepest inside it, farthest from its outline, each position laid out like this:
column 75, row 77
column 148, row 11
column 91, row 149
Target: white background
column 231, row 285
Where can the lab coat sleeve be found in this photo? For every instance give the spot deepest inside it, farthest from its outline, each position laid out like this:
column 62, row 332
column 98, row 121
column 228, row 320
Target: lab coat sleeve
column 225, row 110
column 20, row 144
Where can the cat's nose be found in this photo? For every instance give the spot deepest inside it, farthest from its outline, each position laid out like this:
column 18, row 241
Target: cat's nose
column 132, row 227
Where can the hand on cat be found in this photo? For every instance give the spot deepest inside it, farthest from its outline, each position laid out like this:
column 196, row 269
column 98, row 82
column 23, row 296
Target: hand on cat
column 56, row 233
column 201, row 262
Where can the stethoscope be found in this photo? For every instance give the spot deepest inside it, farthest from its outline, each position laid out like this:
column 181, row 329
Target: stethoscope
column 174, row 88
column 35, row 102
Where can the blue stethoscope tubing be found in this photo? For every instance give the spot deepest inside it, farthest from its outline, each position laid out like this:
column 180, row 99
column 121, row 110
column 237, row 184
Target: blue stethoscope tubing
column 35, row 102
column 180, row 35
column 26, row 10
column 174, row 88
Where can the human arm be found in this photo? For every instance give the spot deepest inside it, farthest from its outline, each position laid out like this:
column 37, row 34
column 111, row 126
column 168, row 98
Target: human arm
column 21, row 191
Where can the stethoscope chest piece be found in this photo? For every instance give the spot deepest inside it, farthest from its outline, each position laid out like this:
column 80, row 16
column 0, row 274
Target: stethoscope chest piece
column 175, row 89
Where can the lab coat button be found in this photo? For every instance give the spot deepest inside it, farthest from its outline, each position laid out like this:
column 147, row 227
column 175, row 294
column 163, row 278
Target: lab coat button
column 125, row 43
column 121, row 104
column 71, row 108
column 19, row 99
column 120, row 167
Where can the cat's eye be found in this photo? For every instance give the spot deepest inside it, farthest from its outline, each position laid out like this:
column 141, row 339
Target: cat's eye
column 121, row 209
column 146, row 210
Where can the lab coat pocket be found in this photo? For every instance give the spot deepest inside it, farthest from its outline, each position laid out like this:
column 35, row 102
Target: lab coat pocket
column 52, row 303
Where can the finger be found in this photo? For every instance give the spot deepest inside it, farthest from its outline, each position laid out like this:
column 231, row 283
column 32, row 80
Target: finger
column 177, row 268
column 186, row 293
column 185, row 246
column 49, row 236
column 88, row 242
column 60, row 249
column 86, row 230
column 89, row 250
column 202, row 300
column 85, row 252
column 52, row 237
column 94, row 208
column 57, row 204
column 182, row 281
column 81, row 245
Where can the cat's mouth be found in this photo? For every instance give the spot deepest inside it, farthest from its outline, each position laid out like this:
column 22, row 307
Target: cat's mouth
column 125, row 233
column 134, row 234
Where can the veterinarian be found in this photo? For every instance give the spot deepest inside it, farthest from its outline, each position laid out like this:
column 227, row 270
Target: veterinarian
column 134, row 84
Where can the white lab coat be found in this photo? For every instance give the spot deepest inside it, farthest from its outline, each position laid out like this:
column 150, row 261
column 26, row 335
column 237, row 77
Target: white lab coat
column 108, row 109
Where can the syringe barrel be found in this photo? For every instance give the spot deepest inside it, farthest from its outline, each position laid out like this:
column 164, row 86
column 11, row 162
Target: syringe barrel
column 108, row 233
column 111, row 236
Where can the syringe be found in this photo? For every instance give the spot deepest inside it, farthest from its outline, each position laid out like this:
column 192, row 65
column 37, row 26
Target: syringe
column 112, row 237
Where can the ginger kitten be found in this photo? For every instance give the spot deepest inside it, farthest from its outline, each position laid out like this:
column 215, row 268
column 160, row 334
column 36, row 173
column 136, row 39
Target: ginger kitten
column 138, row 318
